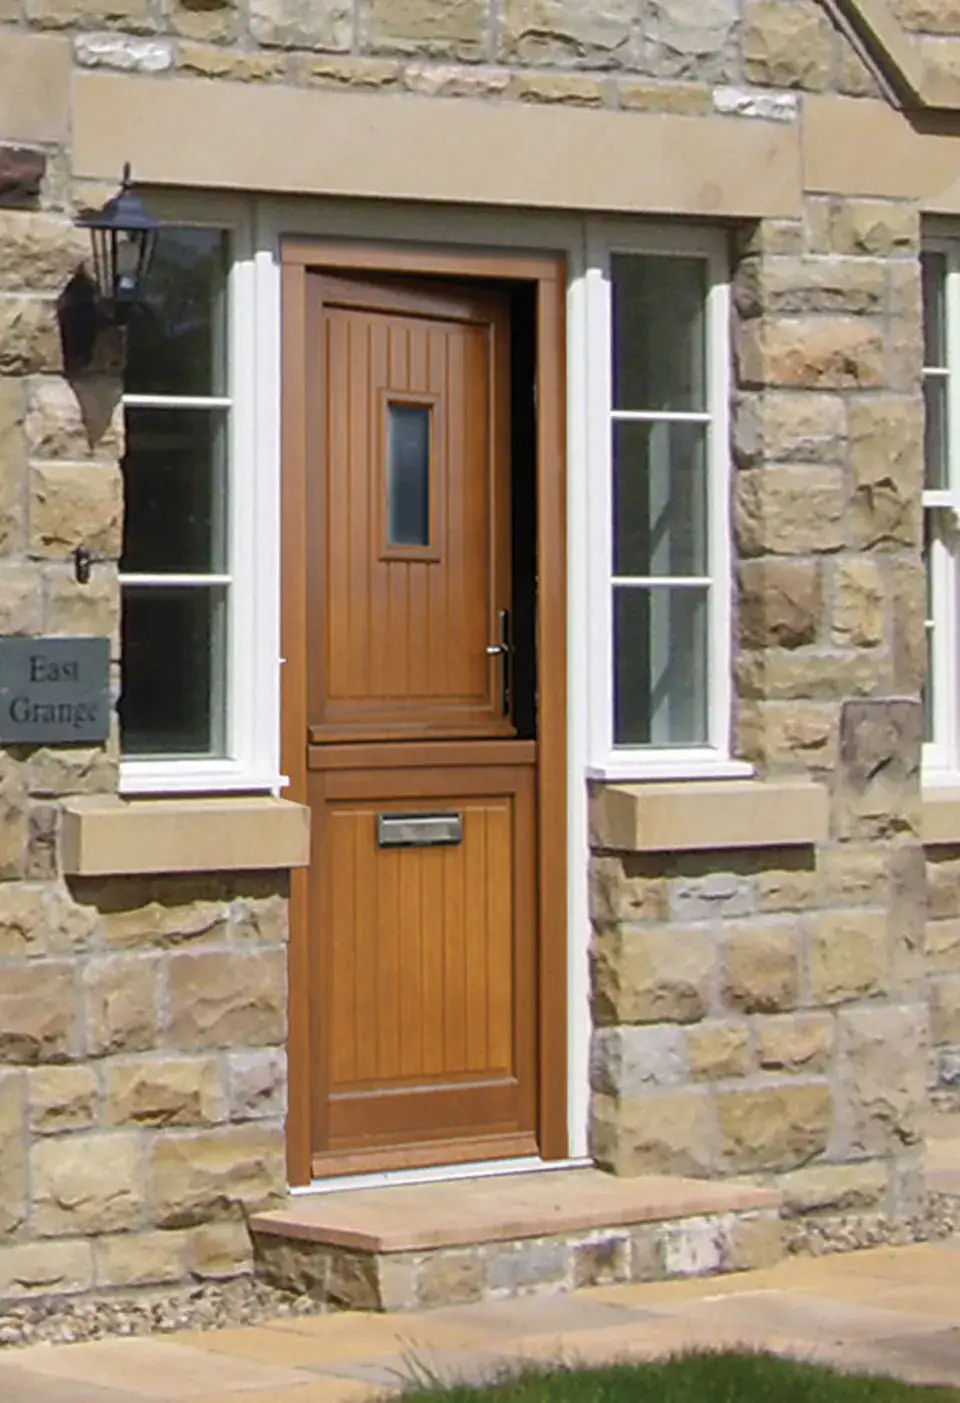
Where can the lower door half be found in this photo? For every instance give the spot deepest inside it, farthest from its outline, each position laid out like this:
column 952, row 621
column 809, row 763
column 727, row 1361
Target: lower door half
column 425, row 999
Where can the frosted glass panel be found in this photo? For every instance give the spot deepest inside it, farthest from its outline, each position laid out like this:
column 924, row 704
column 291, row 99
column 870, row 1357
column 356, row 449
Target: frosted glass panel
column 408, row 475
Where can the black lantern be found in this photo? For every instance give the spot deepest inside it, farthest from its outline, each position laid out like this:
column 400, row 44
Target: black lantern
column 124, row 236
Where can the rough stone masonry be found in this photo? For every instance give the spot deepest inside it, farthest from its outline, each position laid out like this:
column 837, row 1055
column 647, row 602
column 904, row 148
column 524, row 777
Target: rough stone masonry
column 756, row 1013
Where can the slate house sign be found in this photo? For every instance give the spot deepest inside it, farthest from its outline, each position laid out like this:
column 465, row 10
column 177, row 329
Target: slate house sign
column 54, row 691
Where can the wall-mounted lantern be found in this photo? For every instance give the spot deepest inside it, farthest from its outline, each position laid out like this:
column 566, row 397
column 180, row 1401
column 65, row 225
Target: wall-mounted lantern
column 123, row 235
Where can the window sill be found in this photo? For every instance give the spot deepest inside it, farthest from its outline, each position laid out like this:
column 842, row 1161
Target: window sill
column 706, row 815
column 109, row 836
column 641, row 769
column 940, row 824
column 194, row 777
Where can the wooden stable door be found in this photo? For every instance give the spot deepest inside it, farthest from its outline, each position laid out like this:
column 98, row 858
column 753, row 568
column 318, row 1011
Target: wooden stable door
column 422, row 909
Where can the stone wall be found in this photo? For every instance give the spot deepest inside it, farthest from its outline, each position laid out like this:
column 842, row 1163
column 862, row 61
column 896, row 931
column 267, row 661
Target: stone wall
column 943, row 964
column 766, row 1011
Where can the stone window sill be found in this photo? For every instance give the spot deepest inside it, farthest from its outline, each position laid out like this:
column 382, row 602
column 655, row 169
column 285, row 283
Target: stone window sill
column 687, row 816
column 109, row 836
column 941, row 815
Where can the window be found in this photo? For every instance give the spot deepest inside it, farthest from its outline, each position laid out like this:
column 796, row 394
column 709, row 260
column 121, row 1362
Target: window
column 196, row 710
column 941, row 357
column 659, row 528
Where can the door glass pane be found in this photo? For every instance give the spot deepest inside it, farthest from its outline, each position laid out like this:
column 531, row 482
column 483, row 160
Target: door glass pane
column 659, row 345
column 408, row 475
column 660, row 666
column 175, row 490
column 174, row 655
column 176, row 340
column 936, row 463
column 659, row 499
column 934, row 321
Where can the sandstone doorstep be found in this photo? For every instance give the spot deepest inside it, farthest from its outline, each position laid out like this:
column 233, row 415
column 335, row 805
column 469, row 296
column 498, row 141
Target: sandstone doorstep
column 447, row 1244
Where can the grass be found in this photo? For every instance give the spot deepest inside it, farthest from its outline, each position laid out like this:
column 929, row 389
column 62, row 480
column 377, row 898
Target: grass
column 731, row 1377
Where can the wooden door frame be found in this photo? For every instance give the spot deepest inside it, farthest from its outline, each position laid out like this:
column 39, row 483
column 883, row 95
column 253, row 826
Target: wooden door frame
column 547, row 272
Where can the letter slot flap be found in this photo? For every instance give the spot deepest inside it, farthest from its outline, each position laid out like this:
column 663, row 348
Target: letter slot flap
column 419, row 830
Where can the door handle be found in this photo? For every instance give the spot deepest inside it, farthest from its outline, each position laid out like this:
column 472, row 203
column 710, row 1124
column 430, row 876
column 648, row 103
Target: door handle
column 502, row 650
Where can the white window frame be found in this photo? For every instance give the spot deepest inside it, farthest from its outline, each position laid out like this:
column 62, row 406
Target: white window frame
column 941, row 753
column 713, row 759
column 252, row 684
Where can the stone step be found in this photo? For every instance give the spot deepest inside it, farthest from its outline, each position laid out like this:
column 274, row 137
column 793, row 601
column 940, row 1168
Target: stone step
column 420, row 1246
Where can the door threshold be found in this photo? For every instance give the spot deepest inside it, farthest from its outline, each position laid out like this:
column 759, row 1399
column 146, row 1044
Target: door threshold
column 438, row 1174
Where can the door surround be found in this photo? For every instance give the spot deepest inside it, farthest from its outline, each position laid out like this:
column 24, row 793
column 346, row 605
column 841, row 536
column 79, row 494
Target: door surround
column 547, row 272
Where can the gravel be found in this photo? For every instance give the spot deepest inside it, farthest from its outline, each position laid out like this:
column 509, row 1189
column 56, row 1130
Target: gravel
column 245, row 1301
column 212, row 1306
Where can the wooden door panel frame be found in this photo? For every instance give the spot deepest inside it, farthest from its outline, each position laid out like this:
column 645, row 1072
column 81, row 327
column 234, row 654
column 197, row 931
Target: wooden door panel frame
column 547, row 272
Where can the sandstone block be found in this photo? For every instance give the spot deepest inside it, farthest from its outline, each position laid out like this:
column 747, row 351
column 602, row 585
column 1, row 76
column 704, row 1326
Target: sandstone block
column 652, row 975
column 164, row 1091
column 214, row 24
column 794, row 1043
column 761, row 966
column 457, row 30
column 258, row 1084
column 790, row 887
column 854, row 876
column 13, row 816
column 834, row 1188
column 718, row 1050
column 693, row 38
column 622, row 890
column 72, row 505
column 789, row 511
column 91, row 610
column 557, row 33
column 261, row 919
column 12, row 473
column 29, row 337
column 780, row 602
column 39, row 1012
column 85, row 1184
column 54, row 422
column 43, row 837
column 140, row 1258
column 783, row 426
column 601, row 1259
column 41, row 919
column 122, row 52
column 787, row 46
column 854, row 77
column 570, row 89
column 218, row 1251
column 693, row 1247
column 122, row 1001
column 22, row 169
column 928, row 16
column 62, row 1098
column 848, row 956
column 214, row 61
column 814, row 674
column 362, row 73
column 885, row 1051
column 303, row 24
column 774, row 1129
column 453, row 80
column 943, row 946
column 790, row 736
column 671, row 1133
column 908, row 588
column 206, row 1173
column 625, row 1062
column 799, row 286
column 451, row 1279
column 717, row 896
column 816, row 353
column 221, row 999
column 132, row 919
column 774, row 238
column 859, row 603
column 886, row 456
column 870, row 228
column 45, row 1269
column 681, row 99
column 77, row 770
column 13, row 1163
column 21, row 586
column 945, row 1010
column 877, row 793
column 753, row 1243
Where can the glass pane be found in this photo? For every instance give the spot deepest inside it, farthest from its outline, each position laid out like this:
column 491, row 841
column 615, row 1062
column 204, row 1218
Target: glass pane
column 408, row 475
column 174, row 670
column 174, row 472
column 936, row 463
column 176, row 342
column 660, row 666
column 934, row 267
column 659, row 499
column 659, row 350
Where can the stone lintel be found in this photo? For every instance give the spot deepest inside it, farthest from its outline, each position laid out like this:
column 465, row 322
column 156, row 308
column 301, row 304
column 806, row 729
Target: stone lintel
column 706, row 815
column 108, row 836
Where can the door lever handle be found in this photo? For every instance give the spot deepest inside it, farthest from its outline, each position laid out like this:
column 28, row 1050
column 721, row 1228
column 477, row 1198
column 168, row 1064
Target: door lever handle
column 502, row 651
column 495, row 649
